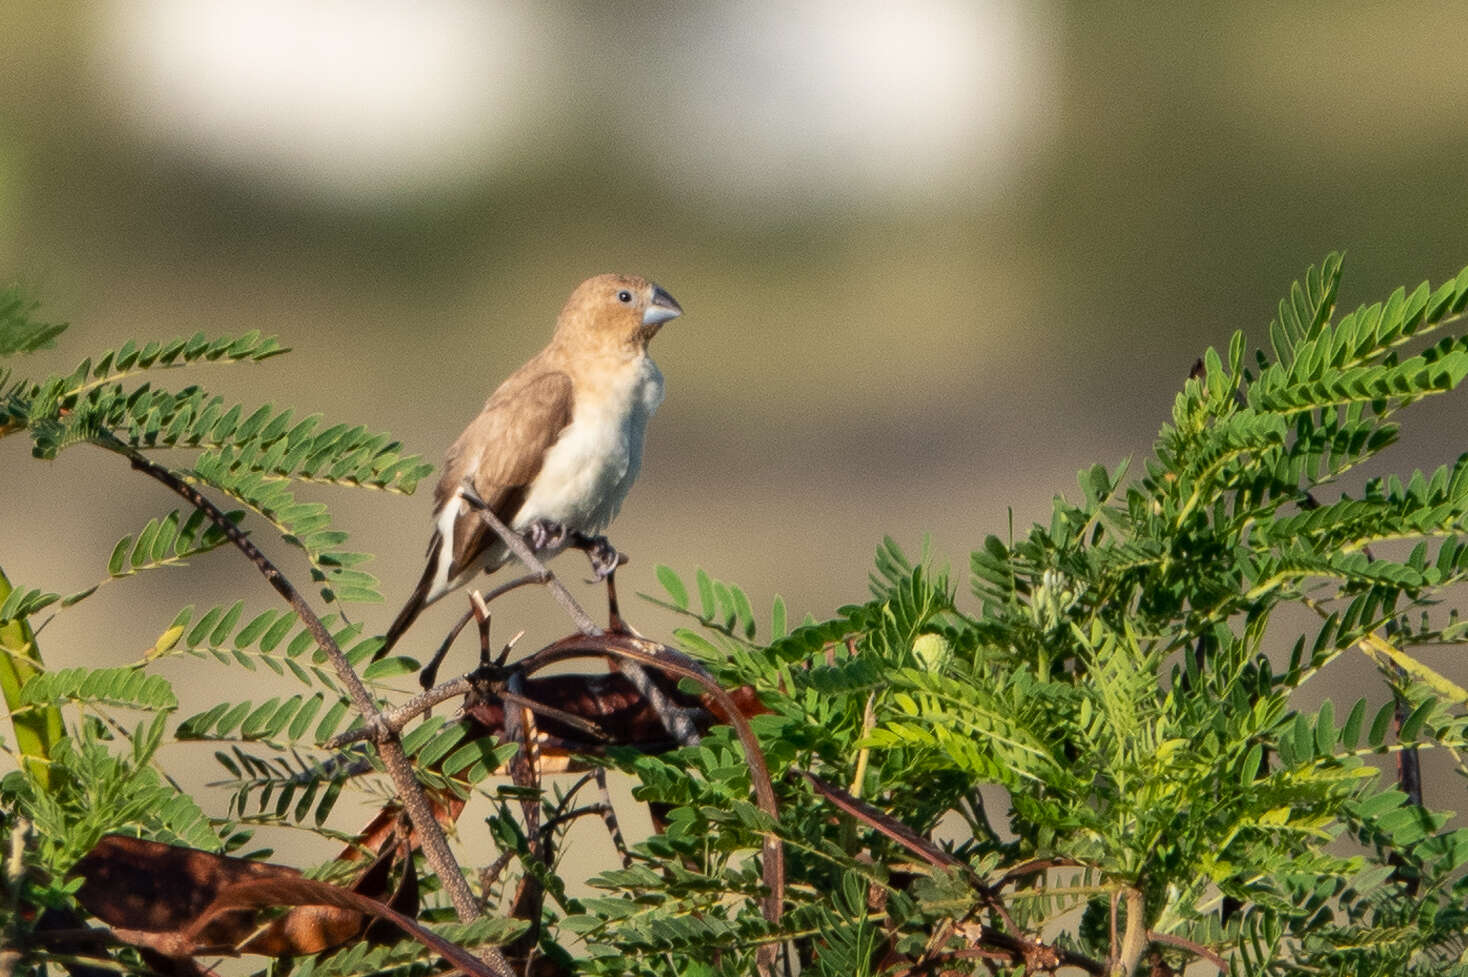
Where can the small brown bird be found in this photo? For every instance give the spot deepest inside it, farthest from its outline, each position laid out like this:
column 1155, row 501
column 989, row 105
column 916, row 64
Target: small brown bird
column 557, row 446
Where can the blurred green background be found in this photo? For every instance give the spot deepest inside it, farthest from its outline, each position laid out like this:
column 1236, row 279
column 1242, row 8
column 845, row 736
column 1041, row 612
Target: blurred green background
column 934, row 256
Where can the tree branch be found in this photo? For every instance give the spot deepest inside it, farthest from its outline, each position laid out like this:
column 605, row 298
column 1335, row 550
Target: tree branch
column 435, row 846
column 527, row 556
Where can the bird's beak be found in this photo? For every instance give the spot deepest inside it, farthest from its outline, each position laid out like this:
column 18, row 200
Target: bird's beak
column 662, row 308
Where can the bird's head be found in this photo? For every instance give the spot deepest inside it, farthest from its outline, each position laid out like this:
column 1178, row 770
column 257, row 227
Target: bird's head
column 611, row 311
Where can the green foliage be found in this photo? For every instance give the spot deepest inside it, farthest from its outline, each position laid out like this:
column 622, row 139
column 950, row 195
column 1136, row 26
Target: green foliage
column 166, row 542
column 1129, row 681
column 101, row 772
column 406, row 958
column 273, row 638
column 18, row 333
column 1110, row 722
column 130, row 687
column 253, row 454
column 98, row 790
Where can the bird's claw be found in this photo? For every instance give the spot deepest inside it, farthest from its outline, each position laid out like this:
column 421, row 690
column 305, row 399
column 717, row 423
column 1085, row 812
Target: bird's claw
column 603, row 556
column 544, row 534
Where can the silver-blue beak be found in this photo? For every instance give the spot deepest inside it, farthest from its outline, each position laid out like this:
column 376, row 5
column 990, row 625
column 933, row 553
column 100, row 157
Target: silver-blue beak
column 662, row 308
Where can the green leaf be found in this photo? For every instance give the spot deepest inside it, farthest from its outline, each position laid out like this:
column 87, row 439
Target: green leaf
column 1380, row 724
column 744, row 612
column 389, row 668
column 705, row 595
column 1351, row 731
column 21, row 603
column 130, row 687
column 1412, row 725
column 673, row 586
column 778, row 627
column 117, row 560
column 1325, row 733
column 19, row 333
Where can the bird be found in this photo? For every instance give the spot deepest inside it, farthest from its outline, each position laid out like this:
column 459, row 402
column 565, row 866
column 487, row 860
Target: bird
column 557, row 445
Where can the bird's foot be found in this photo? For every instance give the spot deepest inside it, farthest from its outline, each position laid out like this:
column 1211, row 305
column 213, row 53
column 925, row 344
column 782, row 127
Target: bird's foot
column 544, row 534
column 603, row 556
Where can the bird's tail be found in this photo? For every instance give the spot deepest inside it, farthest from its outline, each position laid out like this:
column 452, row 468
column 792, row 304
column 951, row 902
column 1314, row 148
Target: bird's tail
column 406, row 616
column 421, row 597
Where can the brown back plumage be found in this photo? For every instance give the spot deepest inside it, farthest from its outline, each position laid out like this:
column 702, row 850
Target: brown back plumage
column 499, row 454
column 519, row 423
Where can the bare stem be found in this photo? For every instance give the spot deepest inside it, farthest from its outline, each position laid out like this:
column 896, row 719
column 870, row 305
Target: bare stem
column 1134, row 937
column 527, row 556
column 393, row 720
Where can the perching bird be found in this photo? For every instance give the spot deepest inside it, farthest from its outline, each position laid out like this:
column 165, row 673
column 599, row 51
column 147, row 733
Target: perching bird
column 557, row 446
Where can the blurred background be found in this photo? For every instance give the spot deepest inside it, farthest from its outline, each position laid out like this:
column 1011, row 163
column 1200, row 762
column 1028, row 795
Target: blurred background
column 935, row 256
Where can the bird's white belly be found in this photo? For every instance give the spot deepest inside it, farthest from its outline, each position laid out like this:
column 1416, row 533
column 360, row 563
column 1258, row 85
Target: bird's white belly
column 587, row 472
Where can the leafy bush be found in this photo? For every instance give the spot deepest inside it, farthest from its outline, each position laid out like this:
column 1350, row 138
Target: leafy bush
column 1110, row 734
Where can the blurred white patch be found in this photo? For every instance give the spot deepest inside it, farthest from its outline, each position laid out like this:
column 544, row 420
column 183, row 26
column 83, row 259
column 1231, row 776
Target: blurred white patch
column 819, row 102
column 352, row 98
column 776, row 108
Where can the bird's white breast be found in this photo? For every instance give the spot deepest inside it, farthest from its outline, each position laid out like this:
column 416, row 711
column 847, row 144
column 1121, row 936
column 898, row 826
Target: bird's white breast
column 587, row 472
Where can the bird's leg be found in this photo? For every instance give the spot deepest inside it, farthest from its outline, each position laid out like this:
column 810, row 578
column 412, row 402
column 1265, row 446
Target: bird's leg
column 604, row 558
column 544, row 534
column 604, row 562
column 614, row 610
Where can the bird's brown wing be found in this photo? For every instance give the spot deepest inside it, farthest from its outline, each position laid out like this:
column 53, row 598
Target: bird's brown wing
column 501, row 452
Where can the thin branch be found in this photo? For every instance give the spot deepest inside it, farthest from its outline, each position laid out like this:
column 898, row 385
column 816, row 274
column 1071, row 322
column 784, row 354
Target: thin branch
column 429, row 675
column 883, row 823
column 435, row 846
column 894, row 829
column 551, row 824
column 518, row 582
column 678, row 725
column 675, row 719
column 551, row 712
column 609, row 816
column 523, row 552
column 1197, row 949
column 393, row 720
column 520, row 727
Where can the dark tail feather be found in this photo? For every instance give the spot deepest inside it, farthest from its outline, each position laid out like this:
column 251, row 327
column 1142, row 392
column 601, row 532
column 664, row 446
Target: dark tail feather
column 416, row 602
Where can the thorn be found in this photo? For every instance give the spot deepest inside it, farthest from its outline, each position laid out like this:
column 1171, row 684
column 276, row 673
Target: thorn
column 505, row 651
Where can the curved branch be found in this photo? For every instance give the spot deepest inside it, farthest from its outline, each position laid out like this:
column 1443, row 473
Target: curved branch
column 645, row 652
column 1197, row 949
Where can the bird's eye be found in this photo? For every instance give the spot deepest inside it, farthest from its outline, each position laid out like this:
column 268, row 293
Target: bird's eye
column 624, row 296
